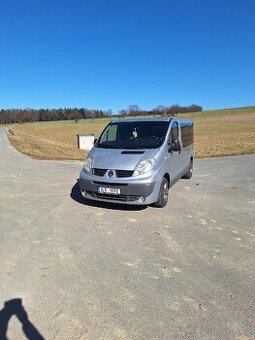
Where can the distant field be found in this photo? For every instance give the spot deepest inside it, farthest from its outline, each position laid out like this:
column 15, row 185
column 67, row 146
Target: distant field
column 217, row 133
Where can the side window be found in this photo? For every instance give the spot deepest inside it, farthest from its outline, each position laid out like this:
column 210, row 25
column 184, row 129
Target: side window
column 110, row 134
column 174, row 134
column 187, row 134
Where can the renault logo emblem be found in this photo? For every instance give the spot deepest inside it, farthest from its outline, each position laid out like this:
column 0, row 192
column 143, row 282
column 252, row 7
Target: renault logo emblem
column 110, row 173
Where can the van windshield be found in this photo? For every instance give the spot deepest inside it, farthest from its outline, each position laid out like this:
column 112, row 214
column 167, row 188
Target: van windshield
column 134, row 135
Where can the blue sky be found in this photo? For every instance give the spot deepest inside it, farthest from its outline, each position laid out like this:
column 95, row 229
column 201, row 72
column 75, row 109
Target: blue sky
column 113, row 53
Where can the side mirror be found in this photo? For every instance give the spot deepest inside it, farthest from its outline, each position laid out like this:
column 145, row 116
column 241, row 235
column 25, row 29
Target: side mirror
column 174, row 145
column 95, row 141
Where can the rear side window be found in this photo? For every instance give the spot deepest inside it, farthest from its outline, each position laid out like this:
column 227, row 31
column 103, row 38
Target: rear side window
column 187, row 134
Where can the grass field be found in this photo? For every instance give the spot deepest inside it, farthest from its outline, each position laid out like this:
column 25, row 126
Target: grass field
column 217, row 133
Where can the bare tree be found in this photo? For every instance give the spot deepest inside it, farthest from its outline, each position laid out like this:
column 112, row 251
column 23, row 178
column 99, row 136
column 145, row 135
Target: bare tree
column 133, row 110
column 160, row 110
column 122, row 113
column 107, row 113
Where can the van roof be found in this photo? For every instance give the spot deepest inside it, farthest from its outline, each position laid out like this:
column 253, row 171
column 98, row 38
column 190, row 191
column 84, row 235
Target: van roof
column 149, row 120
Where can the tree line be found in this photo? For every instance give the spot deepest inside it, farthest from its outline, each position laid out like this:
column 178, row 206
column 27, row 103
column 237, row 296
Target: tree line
column 10, row 116
column 172, row 110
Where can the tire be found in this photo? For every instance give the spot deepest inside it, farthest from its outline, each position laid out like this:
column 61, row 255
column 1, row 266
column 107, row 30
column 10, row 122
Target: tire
column 189, row 173
column 163, row 194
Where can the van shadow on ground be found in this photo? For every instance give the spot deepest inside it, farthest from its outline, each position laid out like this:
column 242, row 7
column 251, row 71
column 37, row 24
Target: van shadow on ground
column 14, row 308
column 76, row 196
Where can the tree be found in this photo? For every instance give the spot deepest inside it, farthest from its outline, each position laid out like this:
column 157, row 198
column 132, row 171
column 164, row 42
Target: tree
column 123, row 113
column 160, row 110
column 107, row 113
column 75, row 115
column 133, row 110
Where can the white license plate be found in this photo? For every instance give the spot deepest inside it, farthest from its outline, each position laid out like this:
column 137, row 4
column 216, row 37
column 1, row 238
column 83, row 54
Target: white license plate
column 112, row 191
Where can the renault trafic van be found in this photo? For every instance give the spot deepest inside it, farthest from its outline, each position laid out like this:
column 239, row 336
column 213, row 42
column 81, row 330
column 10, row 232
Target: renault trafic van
column 136, row 161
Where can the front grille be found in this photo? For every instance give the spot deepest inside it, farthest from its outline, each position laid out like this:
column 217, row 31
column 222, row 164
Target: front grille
column 122, row 198
column 124, row 173
column 110, row 184
column 99, row 172
column 119, row 173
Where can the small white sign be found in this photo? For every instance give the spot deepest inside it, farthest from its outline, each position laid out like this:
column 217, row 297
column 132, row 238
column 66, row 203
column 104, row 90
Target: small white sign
column 85, row 142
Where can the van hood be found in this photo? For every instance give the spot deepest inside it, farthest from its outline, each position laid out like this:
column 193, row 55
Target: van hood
column 118, row 159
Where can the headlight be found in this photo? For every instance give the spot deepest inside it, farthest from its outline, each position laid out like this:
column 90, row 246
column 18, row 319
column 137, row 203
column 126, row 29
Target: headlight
column 87, row 166
column 144, row 166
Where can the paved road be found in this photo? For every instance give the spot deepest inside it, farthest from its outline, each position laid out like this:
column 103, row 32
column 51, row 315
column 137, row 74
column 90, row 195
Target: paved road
column 107, row 272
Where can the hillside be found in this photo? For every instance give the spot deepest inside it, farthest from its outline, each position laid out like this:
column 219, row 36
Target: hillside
column 217, row 133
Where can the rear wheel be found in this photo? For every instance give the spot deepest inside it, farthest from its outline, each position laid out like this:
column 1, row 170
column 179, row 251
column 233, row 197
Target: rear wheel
column 163, row 194
column 189, row 173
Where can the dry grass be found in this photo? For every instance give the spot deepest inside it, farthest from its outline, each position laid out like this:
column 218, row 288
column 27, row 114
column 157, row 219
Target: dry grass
column 53, row 140
column 225, row 135
column 217, row 133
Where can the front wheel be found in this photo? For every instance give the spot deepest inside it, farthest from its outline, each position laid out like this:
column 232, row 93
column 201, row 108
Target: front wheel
column 163, row 194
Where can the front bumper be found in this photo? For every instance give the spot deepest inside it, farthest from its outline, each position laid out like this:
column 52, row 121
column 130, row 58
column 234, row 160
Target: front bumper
column 142, row 192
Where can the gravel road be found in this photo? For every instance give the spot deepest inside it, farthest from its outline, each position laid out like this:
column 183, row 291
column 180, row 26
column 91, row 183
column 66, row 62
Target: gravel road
column 73, row 270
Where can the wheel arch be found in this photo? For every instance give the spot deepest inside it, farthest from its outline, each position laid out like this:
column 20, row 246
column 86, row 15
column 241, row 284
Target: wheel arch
column 167, row 176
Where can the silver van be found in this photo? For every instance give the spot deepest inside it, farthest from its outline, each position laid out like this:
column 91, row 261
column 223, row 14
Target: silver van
column 136, row 161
